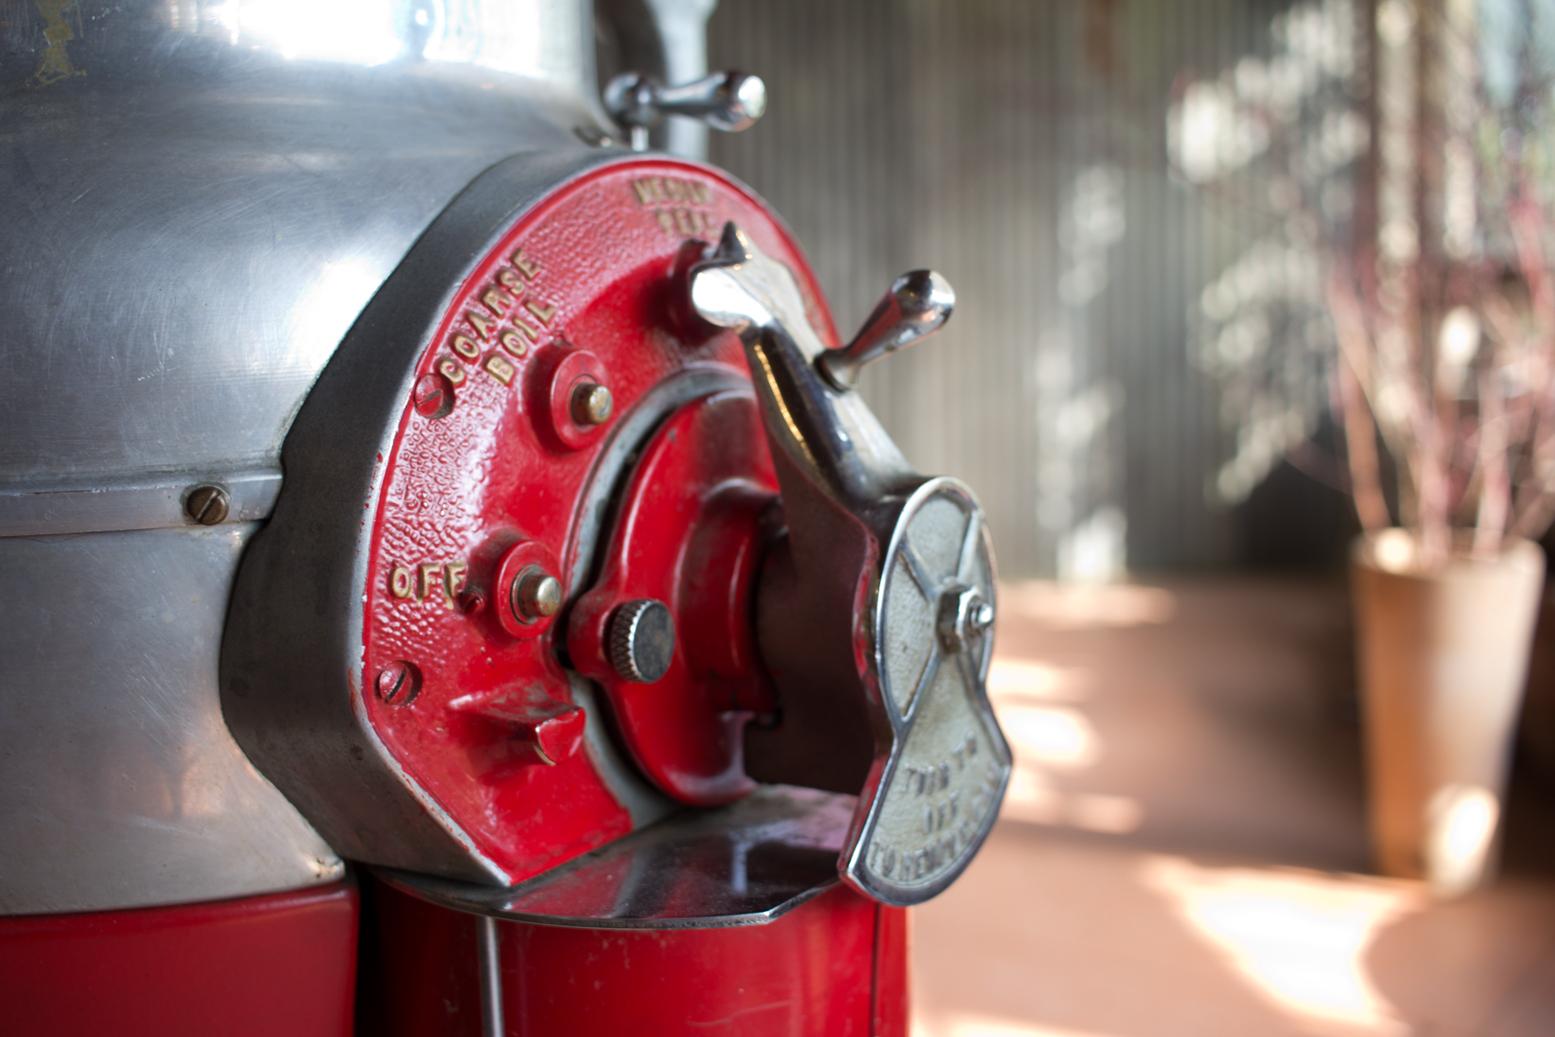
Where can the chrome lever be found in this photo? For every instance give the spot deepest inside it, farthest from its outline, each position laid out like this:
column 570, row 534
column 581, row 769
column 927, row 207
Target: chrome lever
column 875, row 614
column 730, row 101
column 917, row 304
column 832, row 439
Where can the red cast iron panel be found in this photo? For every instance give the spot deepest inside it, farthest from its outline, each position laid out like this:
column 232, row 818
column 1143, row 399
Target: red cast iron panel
column 812, row 971
column 271, row 966
column 492, row 462
column 688, row 535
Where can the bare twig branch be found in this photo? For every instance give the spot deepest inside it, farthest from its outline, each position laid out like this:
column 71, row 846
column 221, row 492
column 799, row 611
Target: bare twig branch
column 1360, row 432
column 1495, row 495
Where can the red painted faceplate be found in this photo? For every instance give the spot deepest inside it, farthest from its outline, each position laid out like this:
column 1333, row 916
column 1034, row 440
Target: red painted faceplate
column 688, row 534
column 587, row 271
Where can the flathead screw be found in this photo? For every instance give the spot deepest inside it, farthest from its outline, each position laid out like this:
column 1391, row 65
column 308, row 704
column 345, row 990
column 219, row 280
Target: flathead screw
column 398, row 683
column 207, row 505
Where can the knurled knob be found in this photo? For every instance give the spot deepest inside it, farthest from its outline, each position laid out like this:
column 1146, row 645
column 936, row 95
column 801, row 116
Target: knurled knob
column 641, row 640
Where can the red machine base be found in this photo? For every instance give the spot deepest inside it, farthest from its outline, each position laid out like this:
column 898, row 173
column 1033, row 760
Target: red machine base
column 836, row 965
column 282, row 965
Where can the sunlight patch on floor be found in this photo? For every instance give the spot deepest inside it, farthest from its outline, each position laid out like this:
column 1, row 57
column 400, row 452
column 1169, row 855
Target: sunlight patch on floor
column 1299, row 938
column 1061, row 606
column 1015, row 680
column 1049, row 734
column 1052, row 736
column 960, row 1025
column 1034, row 800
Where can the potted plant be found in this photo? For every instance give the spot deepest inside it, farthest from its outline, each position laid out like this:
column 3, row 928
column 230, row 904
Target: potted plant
column 1398, row 160
column 1445, row 320
column 1446, row 584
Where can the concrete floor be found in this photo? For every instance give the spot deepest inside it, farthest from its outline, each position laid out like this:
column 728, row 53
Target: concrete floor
column 1183, row 847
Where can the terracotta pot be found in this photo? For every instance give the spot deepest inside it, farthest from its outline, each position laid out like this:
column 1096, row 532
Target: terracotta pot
column 1443, row 655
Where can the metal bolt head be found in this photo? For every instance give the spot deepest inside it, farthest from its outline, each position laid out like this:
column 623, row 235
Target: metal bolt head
column 641, row 640
column 207, row 505
column 536, row 595
column 964, row 616
column 592, row 404
column 980, row 618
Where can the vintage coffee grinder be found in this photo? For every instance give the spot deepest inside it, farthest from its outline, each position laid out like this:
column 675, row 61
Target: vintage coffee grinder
column 451, row 583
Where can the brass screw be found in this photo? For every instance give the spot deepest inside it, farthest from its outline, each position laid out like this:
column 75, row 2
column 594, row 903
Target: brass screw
column 207, row 505
column 536, row 595
column 591, row 403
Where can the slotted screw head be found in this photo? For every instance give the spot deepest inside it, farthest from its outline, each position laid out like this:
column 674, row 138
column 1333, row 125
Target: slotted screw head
column 207, row 505
column 398, row 683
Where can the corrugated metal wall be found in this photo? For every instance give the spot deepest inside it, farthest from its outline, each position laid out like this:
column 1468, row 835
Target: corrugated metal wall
column 1021, row 148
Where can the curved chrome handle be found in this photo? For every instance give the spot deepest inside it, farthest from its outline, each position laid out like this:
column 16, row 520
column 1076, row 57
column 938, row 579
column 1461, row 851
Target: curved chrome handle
column 831, row 438
column 730, row 101
column 917, row 304
column 879, row 605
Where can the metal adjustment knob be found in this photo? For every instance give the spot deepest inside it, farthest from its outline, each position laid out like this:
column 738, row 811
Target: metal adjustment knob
column 641, row 640
column 874, row 613
column 730, row 101
column 917, row 304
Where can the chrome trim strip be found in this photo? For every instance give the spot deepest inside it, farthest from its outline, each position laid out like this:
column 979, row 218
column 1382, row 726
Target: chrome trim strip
column 144, row 501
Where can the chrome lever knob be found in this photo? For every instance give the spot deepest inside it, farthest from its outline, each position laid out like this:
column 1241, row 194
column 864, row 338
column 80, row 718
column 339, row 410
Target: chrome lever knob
column 917, row 305
column 875, row 609
column 730, row 101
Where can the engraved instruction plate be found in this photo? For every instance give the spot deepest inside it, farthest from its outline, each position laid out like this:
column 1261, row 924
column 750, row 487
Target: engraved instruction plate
column 940, row 787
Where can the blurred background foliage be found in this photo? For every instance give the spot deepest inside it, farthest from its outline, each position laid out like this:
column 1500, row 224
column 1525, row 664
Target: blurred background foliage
column 1130, row 199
